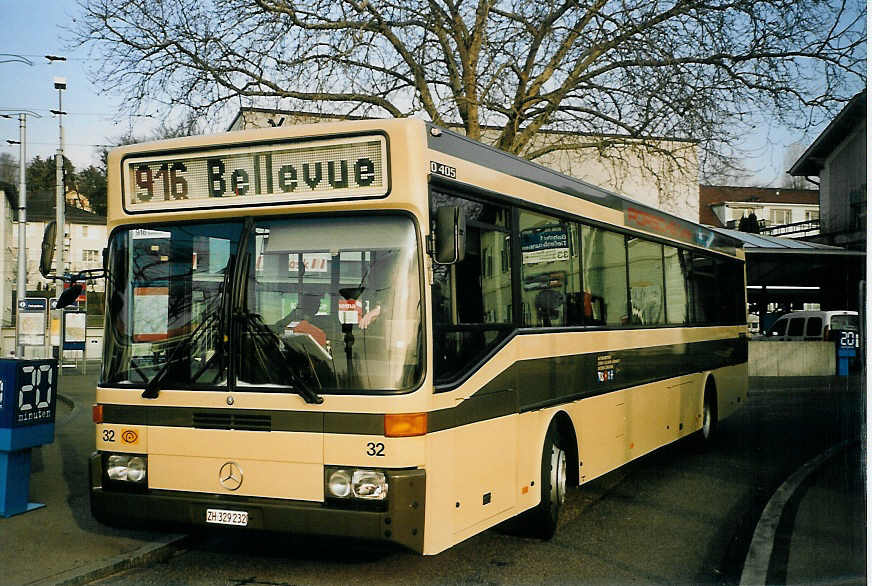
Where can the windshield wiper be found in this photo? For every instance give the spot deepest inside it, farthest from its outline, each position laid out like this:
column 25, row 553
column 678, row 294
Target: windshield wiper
column 279, row 356
column 152, row 389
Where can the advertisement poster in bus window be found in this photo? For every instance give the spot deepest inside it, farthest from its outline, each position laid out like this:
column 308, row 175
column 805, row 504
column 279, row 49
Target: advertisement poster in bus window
column 150, row 313
column 546, row 244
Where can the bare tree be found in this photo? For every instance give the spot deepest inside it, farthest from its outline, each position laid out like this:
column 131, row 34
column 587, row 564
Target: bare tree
column 594, row 73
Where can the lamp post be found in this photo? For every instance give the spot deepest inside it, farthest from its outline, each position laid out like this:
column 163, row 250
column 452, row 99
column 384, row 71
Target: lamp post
column 60, row 84
column 21, row 285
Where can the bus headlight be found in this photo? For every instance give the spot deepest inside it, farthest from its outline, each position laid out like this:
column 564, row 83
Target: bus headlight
column 370, row 485
column 357, row 483
column 127, row 468
column 339, row 484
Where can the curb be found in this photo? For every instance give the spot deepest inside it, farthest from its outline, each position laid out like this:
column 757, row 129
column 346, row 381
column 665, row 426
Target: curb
column 66, row 400
column 72, row 406
column 756, row 566
column 156, row 551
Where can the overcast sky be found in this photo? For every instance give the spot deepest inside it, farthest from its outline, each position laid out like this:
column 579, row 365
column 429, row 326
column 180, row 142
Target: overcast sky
column 33, row 29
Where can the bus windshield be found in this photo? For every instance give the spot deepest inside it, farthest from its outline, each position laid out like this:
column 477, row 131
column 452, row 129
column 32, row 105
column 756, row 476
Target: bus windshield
column 275, row 304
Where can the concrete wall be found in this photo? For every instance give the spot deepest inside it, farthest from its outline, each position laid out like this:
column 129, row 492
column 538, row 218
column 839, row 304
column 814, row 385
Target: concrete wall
column 771, row 358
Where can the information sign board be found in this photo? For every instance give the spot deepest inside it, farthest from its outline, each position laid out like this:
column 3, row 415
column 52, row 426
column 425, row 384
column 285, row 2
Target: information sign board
column 546, row 244
column 32, row 315
column 74, row 330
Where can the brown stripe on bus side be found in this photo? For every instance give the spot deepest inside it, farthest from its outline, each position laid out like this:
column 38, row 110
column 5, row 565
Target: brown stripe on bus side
column 551, row 381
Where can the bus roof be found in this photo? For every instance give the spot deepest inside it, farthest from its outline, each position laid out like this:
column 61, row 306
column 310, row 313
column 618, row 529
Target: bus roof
column 636, row 214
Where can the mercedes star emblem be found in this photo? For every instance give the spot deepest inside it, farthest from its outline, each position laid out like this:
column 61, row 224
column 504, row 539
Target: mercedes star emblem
column 230, row 476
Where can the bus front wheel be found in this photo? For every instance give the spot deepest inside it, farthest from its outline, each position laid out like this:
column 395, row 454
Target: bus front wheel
column 542, row 520
column 709, row 428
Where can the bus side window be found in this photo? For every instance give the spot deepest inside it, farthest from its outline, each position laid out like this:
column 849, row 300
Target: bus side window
column 704, row 281
column 604, row 277
column 550, row 270
column 677, row 277
column 646, row 282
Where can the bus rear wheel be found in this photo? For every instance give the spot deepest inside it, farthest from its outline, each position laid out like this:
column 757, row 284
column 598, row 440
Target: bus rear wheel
column 541, row 521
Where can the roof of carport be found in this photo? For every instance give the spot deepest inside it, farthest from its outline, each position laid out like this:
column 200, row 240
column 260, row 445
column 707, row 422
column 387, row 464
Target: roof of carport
column 763, row 243
column 787, row 262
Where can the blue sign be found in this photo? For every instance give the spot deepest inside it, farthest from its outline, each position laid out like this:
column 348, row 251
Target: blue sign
column 546, row 244
column 28, row 395
column 847, row 348
column 27, row 392
column 33, row 304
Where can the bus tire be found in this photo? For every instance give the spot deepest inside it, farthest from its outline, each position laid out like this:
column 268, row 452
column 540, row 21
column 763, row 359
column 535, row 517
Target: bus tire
column 709, row 429
column 542, row 520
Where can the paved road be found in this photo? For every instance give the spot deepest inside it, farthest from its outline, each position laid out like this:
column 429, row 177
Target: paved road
column 675, row 516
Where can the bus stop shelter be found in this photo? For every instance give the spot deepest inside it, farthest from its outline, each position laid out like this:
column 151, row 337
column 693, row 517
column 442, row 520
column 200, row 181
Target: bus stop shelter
column 790, row 273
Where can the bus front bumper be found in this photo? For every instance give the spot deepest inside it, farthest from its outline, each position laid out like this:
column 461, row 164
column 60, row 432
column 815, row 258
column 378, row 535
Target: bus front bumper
column 402, row 522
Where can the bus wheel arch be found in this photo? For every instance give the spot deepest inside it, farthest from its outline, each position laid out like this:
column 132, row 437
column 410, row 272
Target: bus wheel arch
column 558, row 470
column 568, row 441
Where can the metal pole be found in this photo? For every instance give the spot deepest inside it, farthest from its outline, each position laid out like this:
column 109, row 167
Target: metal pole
column 22, row 228
column 61, row 203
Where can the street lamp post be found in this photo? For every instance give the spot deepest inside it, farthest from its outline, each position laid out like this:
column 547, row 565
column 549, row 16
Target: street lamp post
column 21, row 285
column 60, row 84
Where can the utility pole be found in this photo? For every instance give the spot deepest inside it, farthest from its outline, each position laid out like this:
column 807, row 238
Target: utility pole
column 60, row 84
column 21, row 284
column 22, row 229
column 21, row 288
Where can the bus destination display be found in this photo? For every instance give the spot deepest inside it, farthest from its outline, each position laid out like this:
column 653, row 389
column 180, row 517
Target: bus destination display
column 256, row 175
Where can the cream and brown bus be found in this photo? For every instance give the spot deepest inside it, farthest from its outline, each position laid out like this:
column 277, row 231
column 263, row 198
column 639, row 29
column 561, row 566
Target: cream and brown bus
column 387, row 331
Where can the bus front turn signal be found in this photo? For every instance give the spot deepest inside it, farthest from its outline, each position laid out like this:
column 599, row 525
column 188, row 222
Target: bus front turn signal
column 405, row 424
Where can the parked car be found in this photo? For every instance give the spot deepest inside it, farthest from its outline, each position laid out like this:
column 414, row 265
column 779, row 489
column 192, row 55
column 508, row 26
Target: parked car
column 812, row 325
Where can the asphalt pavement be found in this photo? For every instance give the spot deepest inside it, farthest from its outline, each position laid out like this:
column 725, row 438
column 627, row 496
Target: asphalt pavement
column 820, row 536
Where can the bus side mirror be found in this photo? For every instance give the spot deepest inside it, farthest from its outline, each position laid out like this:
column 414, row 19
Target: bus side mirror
column 69, row 296
column 450, row 235
column 46, row 258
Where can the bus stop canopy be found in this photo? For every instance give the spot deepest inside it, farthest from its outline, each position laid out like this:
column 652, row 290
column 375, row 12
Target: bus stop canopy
column 784, row 270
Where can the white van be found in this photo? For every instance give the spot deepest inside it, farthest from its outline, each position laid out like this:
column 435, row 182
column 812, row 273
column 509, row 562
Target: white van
column 812, row 325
